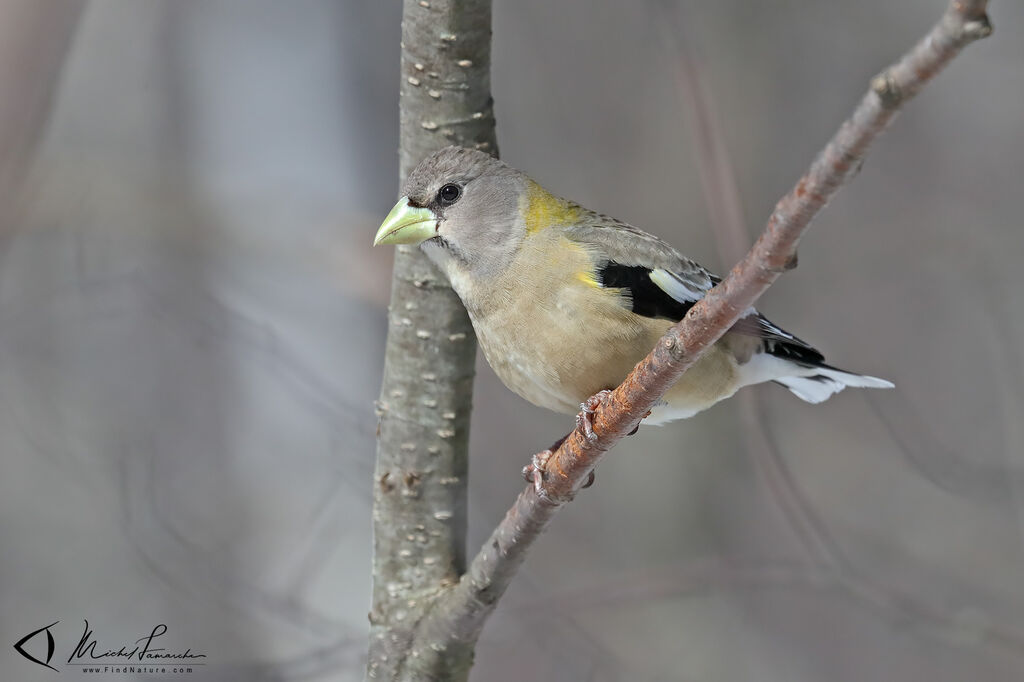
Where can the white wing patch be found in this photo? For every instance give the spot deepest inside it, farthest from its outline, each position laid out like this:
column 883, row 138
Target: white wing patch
column 688, row 291
column 678, row 288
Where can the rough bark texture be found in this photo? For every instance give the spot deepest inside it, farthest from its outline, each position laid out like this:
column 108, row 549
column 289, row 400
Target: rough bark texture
column 460, row 613
column 419, row 510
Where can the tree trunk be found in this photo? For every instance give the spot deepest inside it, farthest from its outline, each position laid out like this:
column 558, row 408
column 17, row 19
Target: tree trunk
column 419, row 511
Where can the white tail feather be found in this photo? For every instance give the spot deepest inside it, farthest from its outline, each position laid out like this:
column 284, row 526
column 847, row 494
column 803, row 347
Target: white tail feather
column 849, row 379
column 826, row 382
column 811, row 390
column 811, row 384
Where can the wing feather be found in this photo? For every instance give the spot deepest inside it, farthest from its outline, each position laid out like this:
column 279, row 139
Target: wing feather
column 633, row 260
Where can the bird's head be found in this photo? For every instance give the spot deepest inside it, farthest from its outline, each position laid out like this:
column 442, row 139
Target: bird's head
column 468, row 210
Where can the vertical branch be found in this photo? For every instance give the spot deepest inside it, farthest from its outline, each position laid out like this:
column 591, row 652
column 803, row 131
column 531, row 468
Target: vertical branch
column 419, row 511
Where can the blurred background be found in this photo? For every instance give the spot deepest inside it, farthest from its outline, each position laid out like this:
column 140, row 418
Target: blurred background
column 192, row 325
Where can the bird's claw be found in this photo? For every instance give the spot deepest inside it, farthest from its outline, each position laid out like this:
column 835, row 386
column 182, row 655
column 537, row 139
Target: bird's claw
column 585, row 421
column 534, row 471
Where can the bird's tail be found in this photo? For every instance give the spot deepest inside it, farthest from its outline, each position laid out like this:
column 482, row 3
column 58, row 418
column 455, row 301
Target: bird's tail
column 822, row 381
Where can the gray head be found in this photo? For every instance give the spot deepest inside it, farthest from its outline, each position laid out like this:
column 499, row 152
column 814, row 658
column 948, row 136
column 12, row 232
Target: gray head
column 462, row 206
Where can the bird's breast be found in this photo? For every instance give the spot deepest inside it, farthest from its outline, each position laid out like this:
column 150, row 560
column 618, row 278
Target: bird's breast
column 555, row 337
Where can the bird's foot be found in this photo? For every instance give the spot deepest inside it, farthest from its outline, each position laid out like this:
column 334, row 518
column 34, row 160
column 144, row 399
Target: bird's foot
column 536, row 471
column 585, row 418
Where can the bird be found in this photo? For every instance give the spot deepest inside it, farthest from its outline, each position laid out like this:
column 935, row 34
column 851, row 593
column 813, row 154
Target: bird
column 565, row 301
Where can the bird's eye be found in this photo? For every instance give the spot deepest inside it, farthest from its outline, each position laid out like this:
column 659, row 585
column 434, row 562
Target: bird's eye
column 449, row 194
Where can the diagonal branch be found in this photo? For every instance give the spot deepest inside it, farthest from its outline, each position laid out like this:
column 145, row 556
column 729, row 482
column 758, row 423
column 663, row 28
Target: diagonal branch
column 725, row 211
column 459, row 615
column 830, row 566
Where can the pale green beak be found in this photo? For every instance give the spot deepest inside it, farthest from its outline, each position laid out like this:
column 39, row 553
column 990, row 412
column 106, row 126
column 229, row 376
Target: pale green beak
column 406, row 225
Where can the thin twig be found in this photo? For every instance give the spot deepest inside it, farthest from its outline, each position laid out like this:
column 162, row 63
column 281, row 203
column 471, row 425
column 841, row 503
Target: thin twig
column 459, row 615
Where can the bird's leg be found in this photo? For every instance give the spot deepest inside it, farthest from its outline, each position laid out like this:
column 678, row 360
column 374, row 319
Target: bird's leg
column 584, row 420
column 534, row 471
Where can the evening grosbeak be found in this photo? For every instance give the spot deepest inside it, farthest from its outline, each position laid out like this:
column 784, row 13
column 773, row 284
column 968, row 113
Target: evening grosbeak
column 566, row 301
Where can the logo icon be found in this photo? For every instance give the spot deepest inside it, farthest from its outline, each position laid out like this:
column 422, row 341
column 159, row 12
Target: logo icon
column 20, row 646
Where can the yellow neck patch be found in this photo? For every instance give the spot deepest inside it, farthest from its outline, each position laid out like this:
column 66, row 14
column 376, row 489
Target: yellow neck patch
column 541, row 209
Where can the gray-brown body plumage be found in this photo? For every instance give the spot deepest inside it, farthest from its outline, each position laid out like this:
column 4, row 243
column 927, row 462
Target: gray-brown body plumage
column 566, row 301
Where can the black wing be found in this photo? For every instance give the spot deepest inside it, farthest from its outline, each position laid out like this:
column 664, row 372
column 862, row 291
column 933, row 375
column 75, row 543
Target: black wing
column 646, row 297
column 659, row 282
column 643, row 289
